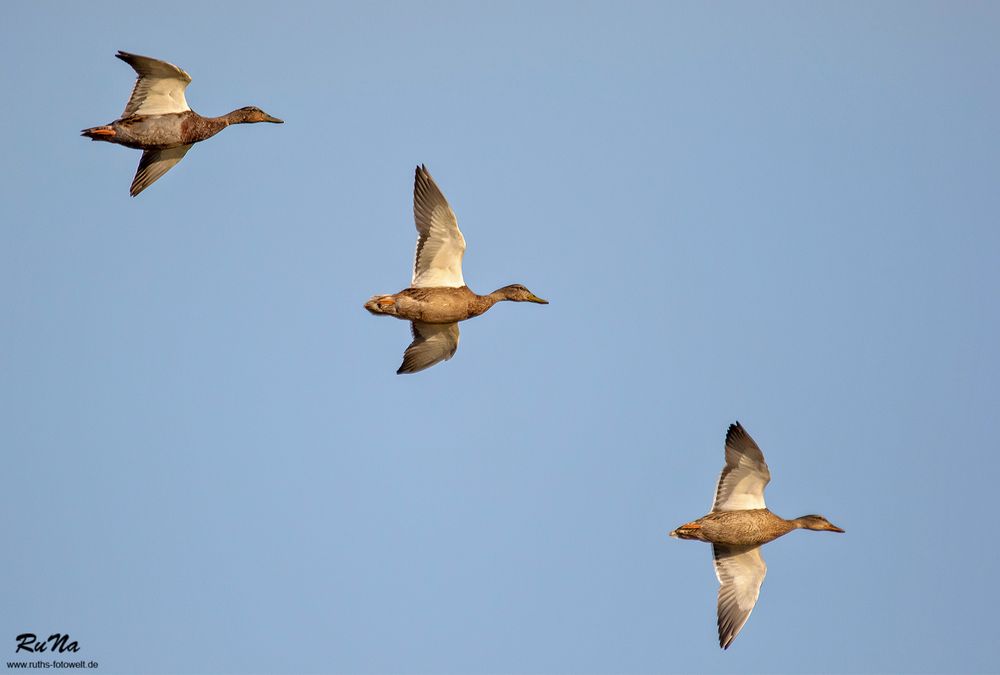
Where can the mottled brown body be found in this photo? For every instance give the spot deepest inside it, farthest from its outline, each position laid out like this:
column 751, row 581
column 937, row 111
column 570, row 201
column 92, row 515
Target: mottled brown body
column 444, row 305
column 737, row 528
column 158, row 120
column 161, row 132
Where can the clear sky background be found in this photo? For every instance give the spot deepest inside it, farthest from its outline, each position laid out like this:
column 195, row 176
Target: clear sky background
column 784, row 213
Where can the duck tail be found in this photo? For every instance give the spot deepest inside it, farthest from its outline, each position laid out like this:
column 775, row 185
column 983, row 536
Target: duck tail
column 102, row 133
column 688, row 531
column 381, row 304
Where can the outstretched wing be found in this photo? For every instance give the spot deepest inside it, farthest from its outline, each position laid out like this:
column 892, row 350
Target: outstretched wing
column 440, row 244
column 432, row 343
column 740, row 570
column 159, row 89
column 742, row 482
column 153, row 164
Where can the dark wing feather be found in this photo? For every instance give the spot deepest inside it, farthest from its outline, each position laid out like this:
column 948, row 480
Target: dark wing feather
column 158, row 90
column 155, row 163
column 743, row 479
column 440, row 244
column 432, row 343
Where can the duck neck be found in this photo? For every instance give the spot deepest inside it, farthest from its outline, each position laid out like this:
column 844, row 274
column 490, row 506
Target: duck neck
column 209, row 126
column 484, row 302
column 234, row 117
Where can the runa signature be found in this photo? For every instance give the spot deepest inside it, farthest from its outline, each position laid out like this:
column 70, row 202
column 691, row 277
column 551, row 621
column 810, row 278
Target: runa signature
column 57, row 642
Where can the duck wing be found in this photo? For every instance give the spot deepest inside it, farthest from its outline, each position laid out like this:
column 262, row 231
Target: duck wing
column 432, row 343
column 159, row 89
column 740, row 570
column 440, row 244
column 742, row 481
column 153, row 164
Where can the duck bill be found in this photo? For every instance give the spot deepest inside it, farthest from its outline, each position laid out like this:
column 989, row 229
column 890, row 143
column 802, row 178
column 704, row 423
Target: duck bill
column 834, row 528
column 275, row 120
column 535, row 298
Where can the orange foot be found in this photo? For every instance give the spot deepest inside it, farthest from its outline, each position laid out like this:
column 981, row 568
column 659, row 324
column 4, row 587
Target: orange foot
column 102, row 132
column 386, row 301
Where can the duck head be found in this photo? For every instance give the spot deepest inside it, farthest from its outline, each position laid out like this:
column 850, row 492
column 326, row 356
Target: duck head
column 814, row 522
column 250, row 115
column 518, row 293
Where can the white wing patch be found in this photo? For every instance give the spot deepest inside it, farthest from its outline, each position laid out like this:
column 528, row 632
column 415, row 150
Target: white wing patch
column 440, row 244
column 159, row 89
column 742, row 481
column 740, row 571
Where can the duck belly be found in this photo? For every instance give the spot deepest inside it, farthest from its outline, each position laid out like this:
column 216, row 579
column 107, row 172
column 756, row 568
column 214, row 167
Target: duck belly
column 407, row 308
column 743, row 528
column 149, row 132
column 421, row 309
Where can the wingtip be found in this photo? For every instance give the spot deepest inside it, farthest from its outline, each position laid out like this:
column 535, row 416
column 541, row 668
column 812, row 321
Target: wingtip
column 735, row 429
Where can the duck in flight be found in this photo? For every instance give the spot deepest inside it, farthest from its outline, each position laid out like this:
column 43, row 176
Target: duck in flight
column 738, row 526
column 438, row 298
column 158, row 121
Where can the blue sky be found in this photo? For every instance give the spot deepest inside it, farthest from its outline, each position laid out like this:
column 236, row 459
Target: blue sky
column 782, row 213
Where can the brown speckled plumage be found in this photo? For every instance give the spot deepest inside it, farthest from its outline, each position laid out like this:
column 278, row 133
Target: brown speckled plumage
column 438, row 298
column 737, row 527
column 158, row 121
column 445, row 305
column 160, row 132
